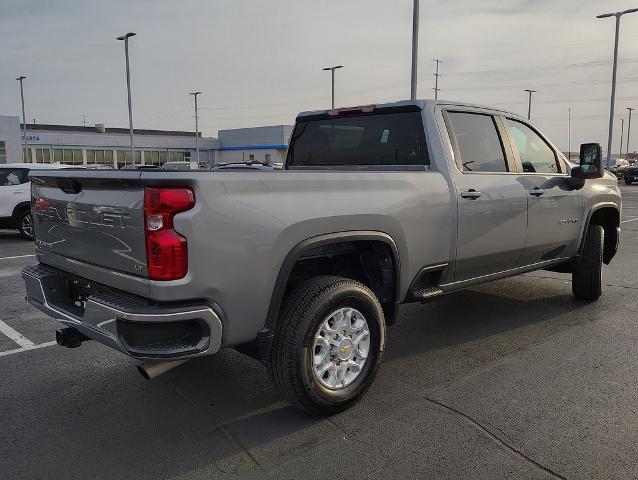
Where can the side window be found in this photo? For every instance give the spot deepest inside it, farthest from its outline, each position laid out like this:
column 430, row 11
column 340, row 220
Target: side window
column 13, row 176
column 478, row 141
column 536, row 156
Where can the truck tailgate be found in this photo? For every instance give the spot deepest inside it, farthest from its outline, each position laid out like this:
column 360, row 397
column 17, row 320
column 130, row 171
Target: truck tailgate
column 90, row 216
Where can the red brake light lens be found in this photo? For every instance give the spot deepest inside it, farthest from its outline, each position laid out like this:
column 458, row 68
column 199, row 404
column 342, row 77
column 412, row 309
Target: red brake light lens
column 166, row 250
column 350, row 111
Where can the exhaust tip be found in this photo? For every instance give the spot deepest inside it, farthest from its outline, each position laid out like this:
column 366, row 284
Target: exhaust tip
column 143, row 372
column 150, row 370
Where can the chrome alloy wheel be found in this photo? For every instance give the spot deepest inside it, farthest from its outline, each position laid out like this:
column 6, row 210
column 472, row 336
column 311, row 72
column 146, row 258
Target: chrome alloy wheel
column 26, row 225
column 341, row 347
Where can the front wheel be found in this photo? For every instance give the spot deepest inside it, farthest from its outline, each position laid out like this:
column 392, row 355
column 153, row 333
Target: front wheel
column 588, row 269
column 328, row 344
column 25, row 225
column 628, row 181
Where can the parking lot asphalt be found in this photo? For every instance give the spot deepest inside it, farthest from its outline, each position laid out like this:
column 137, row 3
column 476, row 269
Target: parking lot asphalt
column 514, row 379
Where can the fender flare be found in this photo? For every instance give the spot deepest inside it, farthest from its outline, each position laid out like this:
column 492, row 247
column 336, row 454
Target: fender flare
column 331, row 238
column 592, row 210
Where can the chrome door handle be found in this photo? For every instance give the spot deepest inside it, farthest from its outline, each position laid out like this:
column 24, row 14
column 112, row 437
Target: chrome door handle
column 471, row 193
column 537, row 192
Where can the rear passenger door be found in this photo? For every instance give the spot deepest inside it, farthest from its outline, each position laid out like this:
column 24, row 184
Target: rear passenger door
column 554, row 209
column 14, row 189
column 492, row 204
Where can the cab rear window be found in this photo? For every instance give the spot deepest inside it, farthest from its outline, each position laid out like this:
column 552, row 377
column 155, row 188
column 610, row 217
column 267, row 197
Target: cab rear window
column 392, row 139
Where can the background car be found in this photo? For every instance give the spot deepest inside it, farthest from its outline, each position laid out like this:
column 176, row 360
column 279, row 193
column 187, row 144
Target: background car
column 180, row 166
column 242, row 166
column 618, row 168
column 15, row 195
column 139, row 167
column 630, row 173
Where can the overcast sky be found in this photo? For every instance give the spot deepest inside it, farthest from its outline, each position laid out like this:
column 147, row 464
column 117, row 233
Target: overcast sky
column 259, row 62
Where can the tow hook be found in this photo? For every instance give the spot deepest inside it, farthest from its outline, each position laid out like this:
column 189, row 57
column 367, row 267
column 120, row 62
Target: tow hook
column 70, row 337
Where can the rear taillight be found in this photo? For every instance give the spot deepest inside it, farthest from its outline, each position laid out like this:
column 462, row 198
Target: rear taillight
column 166, row 250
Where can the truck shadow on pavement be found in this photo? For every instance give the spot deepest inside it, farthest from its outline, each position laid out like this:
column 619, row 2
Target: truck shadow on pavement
column 221, row 415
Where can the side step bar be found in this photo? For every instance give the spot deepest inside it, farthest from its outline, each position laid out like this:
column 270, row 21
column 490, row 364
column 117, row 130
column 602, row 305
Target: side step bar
column 426, row 293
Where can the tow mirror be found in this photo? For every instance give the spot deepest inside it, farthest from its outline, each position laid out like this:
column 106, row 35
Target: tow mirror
column 591, row 162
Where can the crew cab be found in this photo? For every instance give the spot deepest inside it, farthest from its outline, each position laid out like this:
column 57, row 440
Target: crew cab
column 305, row 268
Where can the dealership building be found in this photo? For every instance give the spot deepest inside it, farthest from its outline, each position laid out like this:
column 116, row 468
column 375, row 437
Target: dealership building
column 85, row 145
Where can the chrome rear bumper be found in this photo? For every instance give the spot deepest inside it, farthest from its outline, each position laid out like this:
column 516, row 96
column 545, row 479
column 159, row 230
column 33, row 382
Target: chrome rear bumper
column 126, row 323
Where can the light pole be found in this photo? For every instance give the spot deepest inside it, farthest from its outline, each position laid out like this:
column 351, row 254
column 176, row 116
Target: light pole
column 25, row 155
column 415, row 48
column 569, row 134
column 613, row 77
column 529, row 105
column 629, row 130
column 436, row 79
column 332, row 72
column 125, row 37
column 194, row 94
column 622, row 131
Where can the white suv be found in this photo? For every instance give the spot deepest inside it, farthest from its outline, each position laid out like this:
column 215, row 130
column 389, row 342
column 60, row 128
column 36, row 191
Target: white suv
column 15, row 196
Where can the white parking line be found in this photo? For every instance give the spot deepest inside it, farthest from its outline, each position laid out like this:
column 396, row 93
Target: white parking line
column 21, row 340
column 17, row 256
column 630, row 220
column 26, row 349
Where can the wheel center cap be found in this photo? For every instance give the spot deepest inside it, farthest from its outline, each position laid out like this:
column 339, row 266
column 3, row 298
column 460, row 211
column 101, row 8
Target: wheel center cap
column 345, row 349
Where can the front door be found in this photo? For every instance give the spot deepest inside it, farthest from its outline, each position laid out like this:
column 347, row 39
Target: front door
column 492, row 204
column 554, row 209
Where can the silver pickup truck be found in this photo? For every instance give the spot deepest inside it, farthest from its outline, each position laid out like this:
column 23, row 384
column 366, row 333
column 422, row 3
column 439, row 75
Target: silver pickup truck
column 304, row 268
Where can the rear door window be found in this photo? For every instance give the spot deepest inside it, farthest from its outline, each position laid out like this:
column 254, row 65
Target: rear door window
column 393, row 139
column 535, row 154
column 478, row 143
column 13, row 176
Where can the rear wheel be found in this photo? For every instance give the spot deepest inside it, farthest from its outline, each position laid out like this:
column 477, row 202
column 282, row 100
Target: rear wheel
column 328, row 344
column 25, row 224
column 587, row 274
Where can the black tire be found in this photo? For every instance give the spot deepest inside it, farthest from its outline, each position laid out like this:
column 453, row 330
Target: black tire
column 587, row 274
column 25, row 224
column 628, row 181
column 303, row 311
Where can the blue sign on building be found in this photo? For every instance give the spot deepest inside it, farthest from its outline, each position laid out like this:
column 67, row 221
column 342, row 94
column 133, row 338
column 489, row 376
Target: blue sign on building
column 32, row 138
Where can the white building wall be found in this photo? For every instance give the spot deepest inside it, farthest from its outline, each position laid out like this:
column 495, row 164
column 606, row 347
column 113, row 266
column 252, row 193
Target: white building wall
column 12, row 137
column 41, row 138
column 233, row 156
column 237, row 145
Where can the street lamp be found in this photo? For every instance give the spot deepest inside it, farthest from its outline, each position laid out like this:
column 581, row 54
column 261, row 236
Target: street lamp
column 569, row 134
column 415, row 48
column 622, row 131
column 194, row 94
column 125, row 37
column 629, row 129
column 332, row 71
column 613, row 77
column 25, row 156
column 529, row 105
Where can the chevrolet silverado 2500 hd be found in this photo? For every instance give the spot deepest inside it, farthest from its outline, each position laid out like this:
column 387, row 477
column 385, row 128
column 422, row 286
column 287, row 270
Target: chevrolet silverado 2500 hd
column 306, row 267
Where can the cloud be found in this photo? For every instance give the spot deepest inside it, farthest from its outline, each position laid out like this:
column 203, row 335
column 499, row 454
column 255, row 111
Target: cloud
column 260, row 62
